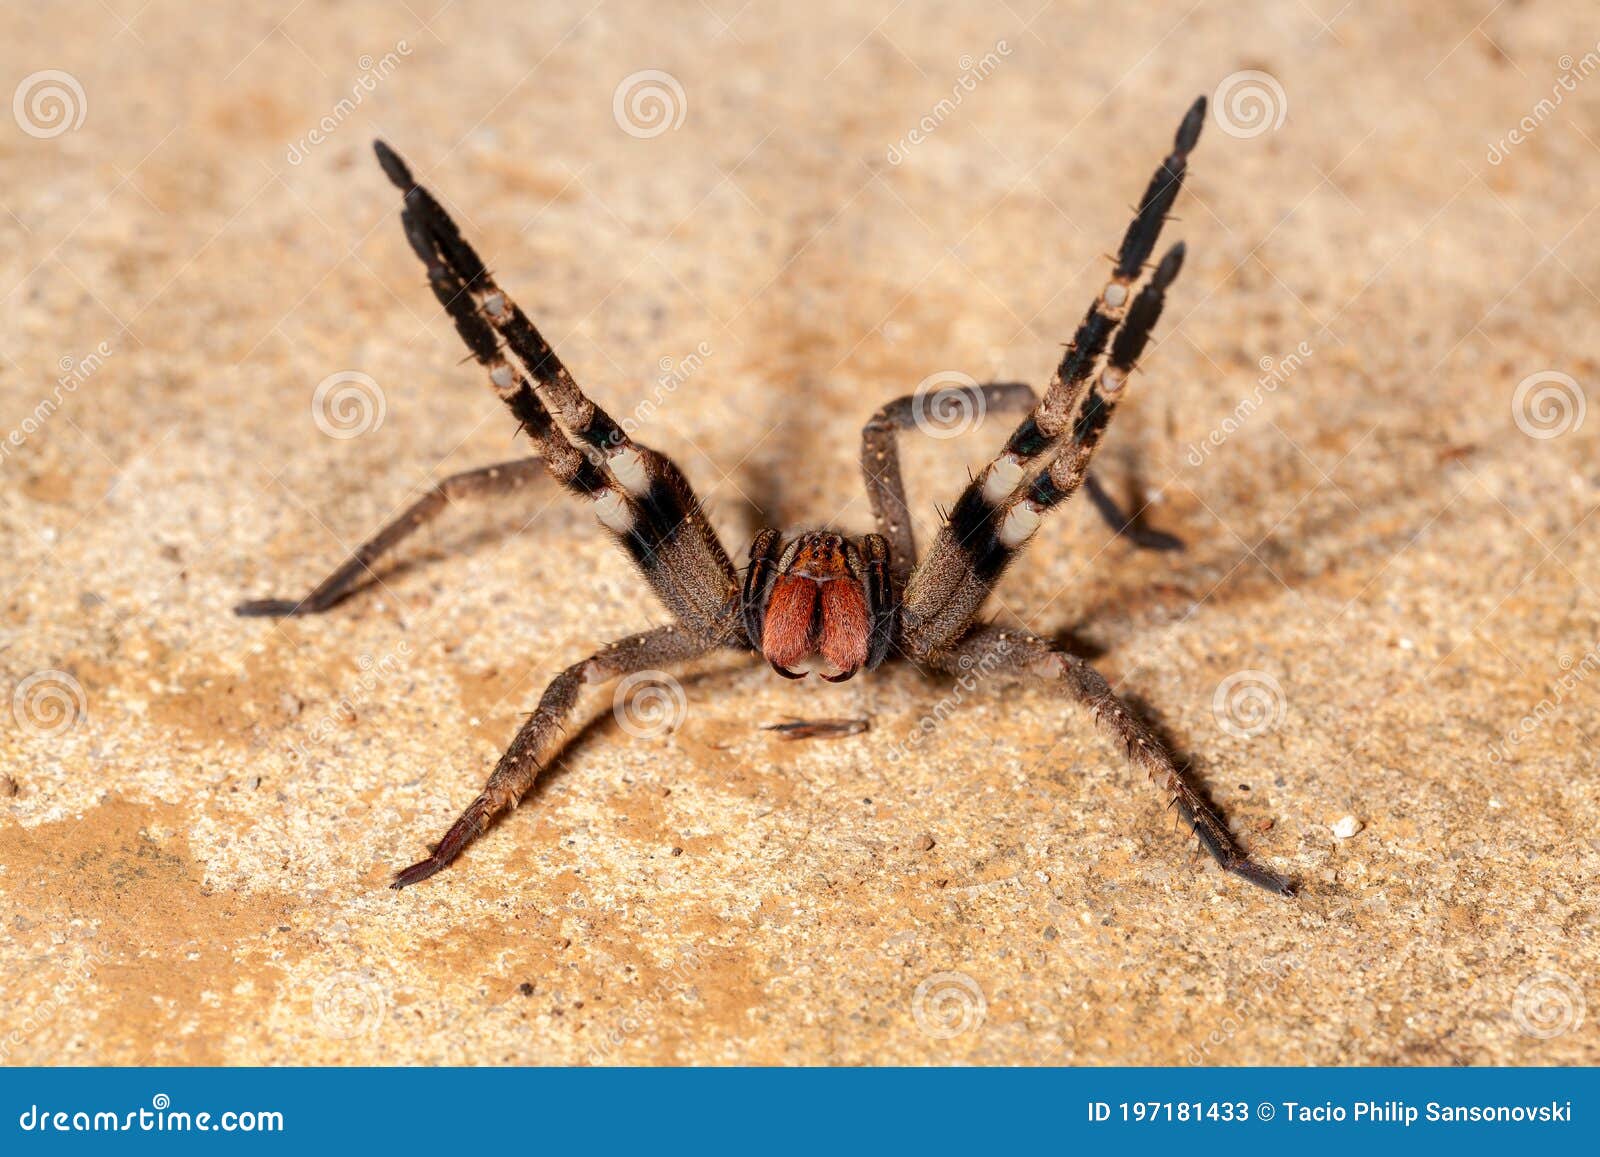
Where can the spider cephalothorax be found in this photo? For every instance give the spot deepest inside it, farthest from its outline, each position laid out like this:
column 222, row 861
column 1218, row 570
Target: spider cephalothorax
column 821, row 600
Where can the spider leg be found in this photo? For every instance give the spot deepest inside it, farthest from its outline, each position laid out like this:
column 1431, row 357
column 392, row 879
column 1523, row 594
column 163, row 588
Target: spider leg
column 546, row 730
column 487, row 481
column 637, row 493
column 1005, row 650
column 886, row 490
column 1000, row 509
column 880, row 456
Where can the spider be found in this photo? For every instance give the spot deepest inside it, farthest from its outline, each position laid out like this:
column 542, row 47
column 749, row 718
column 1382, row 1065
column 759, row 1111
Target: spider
column 819, row 600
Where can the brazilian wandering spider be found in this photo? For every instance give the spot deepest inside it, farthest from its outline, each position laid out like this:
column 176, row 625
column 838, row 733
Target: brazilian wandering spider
column 820, row 600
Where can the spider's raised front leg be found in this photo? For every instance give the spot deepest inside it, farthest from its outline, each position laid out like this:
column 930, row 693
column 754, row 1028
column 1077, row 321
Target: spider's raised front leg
column 639, row 494
column 485, row 482
column 880, row 453
column 547, row 729
column 1003, row 650
column 1048, row 455
column 886, row 488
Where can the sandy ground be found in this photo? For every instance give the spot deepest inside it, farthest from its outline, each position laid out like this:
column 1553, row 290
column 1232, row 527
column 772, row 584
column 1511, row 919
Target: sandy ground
column 1364, row 414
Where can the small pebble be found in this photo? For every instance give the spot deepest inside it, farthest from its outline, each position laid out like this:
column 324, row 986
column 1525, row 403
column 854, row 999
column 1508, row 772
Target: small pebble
column 677, row 851
column 8, row 787
column 1346, row 827
column 925, row 844
column 525, row 988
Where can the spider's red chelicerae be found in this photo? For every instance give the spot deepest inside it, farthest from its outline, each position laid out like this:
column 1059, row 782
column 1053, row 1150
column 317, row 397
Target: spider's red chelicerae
column 819, row 600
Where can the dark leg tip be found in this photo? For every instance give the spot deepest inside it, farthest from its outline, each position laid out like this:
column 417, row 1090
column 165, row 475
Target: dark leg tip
column 1167, row 271
column 1264, row 878
column 417, row 873
column 1193, row 121
column 394, row 168
column 270, row 609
